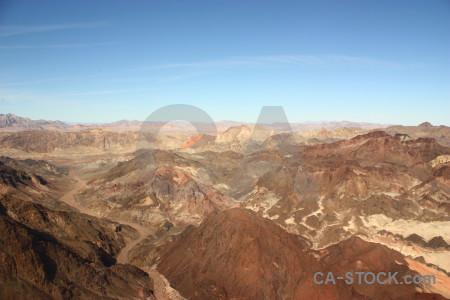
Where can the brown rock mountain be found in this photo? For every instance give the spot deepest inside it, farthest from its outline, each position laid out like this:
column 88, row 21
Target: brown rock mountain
column 236, row 254
column 426, row 129
column 155, row 185
column 33, row 180
column 317, row 190
column 36, row 265
column 325, row 192
column 54, row 254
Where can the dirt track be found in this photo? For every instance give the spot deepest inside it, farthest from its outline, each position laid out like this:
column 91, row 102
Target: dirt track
column 69, row 197
column 122, row 258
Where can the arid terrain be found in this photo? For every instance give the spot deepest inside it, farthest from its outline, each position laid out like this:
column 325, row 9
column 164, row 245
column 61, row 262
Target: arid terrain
column 112, row 211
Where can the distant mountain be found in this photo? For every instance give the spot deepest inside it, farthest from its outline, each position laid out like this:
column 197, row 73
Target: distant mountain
column 43, row 141
column 440, row 133
column 11, row 122
column 323, row 131
column 336, row 124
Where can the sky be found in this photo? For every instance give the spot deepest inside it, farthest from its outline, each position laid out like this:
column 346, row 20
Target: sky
column 103, row 61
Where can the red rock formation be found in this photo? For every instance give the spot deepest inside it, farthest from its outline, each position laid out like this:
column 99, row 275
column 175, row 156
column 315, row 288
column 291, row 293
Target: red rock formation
column 191, row 142
column 236, row 254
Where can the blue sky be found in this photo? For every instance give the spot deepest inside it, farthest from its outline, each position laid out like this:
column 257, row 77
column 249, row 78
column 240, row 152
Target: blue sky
column 102, row 61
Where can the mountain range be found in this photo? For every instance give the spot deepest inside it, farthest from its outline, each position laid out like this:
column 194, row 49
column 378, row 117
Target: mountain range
column 11, row 122
column 245, row 213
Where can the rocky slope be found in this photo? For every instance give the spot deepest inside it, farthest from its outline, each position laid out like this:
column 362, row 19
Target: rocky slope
column 440, row 133
column 236, row 254
column 328, row 192
column 155, row 186
column 36, row 265
column 325, row 192
column 33, row 180
column 54, row 254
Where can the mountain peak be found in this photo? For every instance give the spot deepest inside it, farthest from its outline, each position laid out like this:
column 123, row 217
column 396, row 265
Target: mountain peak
column 426, row 125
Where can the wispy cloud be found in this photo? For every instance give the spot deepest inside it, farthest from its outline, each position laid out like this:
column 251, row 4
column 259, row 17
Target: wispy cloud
column 57, row 46
column 205, row 67
column 104, row 92
column 314, row 60
column 17, row 30
column 52, row 79
column 12, row 96
column 111, row 76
